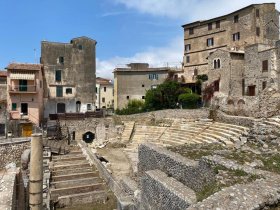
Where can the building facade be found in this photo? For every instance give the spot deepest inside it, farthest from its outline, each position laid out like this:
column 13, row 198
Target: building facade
column 25, row 92
column 69, row 75
column 257, row 23
column 248, row 81
column 3, row 101
column 133, row 81
column 104, row 93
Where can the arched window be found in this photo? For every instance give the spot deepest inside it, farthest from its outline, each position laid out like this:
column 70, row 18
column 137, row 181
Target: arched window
column 217, row 63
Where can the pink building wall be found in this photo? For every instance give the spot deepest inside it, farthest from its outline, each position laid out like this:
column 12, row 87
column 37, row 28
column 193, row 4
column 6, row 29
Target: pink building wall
column 33, row 96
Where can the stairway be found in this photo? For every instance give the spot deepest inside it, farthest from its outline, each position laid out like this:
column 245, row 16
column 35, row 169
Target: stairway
column 128, row 129
column 203, row 131
column 74, row 181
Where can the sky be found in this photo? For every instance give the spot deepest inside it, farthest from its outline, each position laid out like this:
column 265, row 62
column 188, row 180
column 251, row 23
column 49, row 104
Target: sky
column 125, row 30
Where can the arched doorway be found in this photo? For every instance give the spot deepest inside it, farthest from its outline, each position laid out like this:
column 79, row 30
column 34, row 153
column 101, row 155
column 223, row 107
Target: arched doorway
column 78, row 106
column 60, row 107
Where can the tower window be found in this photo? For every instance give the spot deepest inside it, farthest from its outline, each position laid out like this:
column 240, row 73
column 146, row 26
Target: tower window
column 209, row 26
column 61, row 59
column 218, row 24
column 191, row 31
column 210, row 42
column 236, row 19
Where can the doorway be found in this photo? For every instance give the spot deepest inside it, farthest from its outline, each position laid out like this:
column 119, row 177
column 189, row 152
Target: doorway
column 24, row 108
column 78, row 106
column 60, row 108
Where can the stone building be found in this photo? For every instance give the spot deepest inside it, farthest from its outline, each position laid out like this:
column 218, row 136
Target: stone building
column 256, row 23
column 248, row 81
column 225, row 71
column 3, row 101
column 104, row 93
column 25, row 95
column 69, row 75
column 133, row 81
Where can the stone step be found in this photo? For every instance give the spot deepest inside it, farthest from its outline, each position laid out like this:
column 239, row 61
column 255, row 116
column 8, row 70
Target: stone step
column 69, row 159
column 233, row 126
column 72, row 171
column 272, row 123
column 67, row 166
column 76, row 182
column 229, row 128
column 224, row 130
column 55, row 193
column 75, row 176
column 82, row 198
column 59, row 163
column 218, row 137
column 219, row 133
column 61, row 157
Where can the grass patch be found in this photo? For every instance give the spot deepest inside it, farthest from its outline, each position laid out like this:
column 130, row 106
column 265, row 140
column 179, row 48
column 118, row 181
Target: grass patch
column 271, row 163
column 230, row 178
column 196, row 151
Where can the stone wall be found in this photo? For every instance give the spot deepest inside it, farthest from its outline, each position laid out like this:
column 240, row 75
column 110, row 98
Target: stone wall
column 11, row 151
column 193, row 174
column 267, row 104
column 148, row 117
column 103, row 128
column 158, row 191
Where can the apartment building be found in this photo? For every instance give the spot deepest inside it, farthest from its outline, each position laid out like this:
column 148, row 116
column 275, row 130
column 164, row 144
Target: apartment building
column 25, row 93
column 104, row 93
column 256, row 23
column 3, row 101
column 69, row 76
column 133, row 81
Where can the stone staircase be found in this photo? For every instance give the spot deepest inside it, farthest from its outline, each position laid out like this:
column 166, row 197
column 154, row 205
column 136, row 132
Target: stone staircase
column 57, row 147
column 203, row 131
column 142, row 134
column 74, row 181
column 273, row 121
column 128, row 129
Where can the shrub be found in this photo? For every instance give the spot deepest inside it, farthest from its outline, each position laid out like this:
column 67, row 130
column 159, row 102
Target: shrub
column 189, row 101
column 133, row 107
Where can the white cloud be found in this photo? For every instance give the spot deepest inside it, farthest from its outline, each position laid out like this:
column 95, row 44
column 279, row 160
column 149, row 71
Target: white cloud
column 171, row 55
column 190, row 10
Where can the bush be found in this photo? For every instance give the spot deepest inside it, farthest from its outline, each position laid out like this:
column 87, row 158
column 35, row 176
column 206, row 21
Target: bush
column 189, row 100
column 133, row 107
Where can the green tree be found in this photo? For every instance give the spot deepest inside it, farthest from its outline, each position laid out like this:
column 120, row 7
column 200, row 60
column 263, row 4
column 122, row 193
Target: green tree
column 189, row 100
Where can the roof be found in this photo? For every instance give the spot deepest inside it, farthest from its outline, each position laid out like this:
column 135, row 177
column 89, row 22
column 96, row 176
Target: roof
column 103, row 81
column 3, row 73
column 202, row 22
column 24, row 66
column 142, row 70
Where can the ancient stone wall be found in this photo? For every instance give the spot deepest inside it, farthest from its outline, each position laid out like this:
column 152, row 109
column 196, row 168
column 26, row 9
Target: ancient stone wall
column 103, row 128
column 158, row 191
column 165, row 114
column 191, row 173
column 11, row 151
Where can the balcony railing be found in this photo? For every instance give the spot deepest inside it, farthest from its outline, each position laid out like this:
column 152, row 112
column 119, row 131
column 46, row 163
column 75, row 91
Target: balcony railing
column 22, row 88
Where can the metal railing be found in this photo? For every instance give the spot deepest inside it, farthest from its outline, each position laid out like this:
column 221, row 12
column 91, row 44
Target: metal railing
column 23, row 88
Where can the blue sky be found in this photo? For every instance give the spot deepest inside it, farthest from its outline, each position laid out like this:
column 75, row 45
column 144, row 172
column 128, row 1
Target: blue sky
column 126, row 30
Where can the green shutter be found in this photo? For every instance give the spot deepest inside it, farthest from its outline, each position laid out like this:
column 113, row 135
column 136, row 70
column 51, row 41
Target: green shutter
column 59, row 92
column 14, row 106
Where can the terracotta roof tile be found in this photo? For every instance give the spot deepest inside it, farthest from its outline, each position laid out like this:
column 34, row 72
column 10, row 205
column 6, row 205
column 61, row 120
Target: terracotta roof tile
column 24, row 66
column 3, row 74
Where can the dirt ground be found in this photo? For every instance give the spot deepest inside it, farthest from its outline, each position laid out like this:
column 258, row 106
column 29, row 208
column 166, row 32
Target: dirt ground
column 119, row 164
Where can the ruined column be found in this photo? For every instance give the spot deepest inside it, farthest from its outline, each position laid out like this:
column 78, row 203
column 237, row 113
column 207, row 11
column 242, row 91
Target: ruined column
column 36, row 173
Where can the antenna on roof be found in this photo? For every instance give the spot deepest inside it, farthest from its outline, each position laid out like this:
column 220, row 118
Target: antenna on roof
column 34, row 55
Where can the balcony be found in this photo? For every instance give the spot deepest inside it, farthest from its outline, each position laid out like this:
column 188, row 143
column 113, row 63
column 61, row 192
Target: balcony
column 22, row 89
